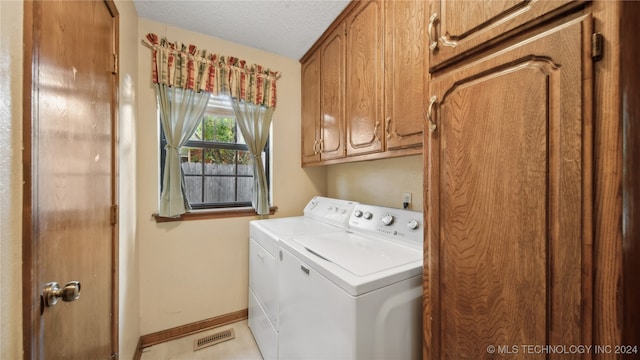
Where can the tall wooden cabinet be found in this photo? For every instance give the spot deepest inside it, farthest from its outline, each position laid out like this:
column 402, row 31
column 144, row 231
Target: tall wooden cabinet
column 523, row 236
column 509, row 184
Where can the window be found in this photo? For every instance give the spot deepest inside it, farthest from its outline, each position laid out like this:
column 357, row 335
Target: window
column 215, row 161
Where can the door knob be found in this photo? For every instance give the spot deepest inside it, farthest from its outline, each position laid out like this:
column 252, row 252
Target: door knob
column 52, row 292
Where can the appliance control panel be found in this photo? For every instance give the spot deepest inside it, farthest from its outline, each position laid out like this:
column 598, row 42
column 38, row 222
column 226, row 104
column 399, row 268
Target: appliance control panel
column 391, row 223
column 331, row 211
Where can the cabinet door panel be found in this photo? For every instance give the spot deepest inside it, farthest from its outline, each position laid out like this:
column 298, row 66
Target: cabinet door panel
column 364, row 79
column 332, row 83
column 509, row 200
column 311, row 110
column 404, row 70
column 466, row 25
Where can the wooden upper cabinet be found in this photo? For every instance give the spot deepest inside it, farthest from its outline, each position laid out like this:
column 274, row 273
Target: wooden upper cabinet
column 509, row 199
column 311, row 111
column 323, row 99
column 462, row 27
column 404, row 69
column 365, row 79
column 332, row 88
column 363, row 84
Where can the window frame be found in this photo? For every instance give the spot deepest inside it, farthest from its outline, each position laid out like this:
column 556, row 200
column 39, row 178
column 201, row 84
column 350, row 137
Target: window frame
column 217, row 108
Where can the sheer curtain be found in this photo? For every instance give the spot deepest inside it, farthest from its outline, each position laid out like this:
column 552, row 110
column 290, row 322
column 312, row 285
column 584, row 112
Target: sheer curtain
column 184, row 78
column 180, row 112
column 253, row 94
column 254, row 122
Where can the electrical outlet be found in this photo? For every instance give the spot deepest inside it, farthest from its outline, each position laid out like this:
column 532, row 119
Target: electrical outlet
column 406, row 200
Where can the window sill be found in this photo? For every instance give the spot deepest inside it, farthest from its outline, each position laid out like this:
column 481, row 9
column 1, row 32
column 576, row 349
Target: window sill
column 213, row 214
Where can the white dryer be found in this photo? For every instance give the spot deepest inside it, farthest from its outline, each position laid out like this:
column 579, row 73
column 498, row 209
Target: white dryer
column 355, row 294
column 321, row 215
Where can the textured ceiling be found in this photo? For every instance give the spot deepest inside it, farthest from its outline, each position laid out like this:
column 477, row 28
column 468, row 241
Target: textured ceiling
column 284, row 27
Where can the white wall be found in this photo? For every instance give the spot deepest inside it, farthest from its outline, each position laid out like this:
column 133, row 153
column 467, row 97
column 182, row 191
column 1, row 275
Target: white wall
column 11, row 14
column 378, row 182
column 195, row 270
column 129, row 284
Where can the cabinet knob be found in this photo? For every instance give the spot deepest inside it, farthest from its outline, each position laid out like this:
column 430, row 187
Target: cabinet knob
column 433, row 40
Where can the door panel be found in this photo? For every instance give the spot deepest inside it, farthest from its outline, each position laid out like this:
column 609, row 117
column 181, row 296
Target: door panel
column 365, row 79
column 311, row 110
column 332, row 83
column 405, row 40
column 460, row 26
column 71, row 188
column 509, row 200
column 495, row 262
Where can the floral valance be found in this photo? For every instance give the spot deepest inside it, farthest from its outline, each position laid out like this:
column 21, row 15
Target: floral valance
column 184, row 66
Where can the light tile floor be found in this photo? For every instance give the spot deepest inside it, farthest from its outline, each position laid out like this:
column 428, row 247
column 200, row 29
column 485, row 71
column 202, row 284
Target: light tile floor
column 243, row 347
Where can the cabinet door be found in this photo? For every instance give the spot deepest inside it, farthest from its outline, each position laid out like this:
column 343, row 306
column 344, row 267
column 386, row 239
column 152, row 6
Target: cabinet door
column 509, row 203
column 364, row 79
column 462, row 25
column 332, row 84
column 311, row 110
column 404, row 67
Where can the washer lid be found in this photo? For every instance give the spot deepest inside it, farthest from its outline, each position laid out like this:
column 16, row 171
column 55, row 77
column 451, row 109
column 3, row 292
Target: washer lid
column 360, row 255
column 289, row 226
column 268, row 232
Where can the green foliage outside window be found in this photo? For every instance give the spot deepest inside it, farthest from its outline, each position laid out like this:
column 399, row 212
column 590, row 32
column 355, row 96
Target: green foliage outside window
column 218, row 130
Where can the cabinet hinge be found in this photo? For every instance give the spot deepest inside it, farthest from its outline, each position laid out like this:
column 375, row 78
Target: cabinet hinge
column 115, row 64
column 114, row 214
column 597, row 42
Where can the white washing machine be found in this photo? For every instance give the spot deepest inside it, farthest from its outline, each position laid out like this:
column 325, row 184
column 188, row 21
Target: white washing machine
column 354, row 294
column 321, row 215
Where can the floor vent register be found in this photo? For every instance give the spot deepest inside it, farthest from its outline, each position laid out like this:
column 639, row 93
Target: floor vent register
column 213, row 339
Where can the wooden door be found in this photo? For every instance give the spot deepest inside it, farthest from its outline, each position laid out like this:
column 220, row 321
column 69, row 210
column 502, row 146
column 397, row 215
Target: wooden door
column 509, row 182
column 460, row 26
column 70, row 188
column 404, row 68
column 332, row 85
column 365, row 79
column 311, row 110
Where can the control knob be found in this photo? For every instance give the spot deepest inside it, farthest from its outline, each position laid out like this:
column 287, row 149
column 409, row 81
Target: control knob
column 387, row 220
column 413, row 224
column 368, row 215
column 357, row 213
